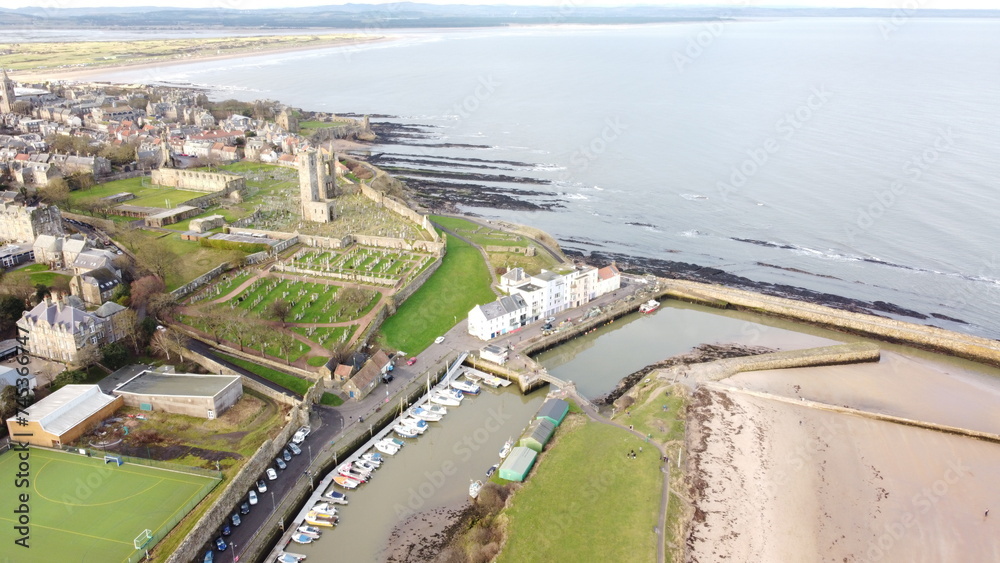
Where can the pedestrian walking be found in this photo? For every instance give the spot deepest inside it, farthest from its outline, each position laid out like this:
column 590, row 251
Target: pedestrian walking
column 640, row 449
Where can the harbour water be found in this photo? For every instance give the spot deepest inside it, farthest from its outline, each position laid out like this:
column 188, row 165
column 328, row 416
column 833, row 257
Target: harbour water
column 819, row 152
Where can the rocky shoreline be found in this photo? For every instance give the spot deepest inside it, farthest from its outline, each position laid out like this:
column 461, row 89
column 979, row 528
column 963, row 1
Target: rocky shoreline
column 424, row 536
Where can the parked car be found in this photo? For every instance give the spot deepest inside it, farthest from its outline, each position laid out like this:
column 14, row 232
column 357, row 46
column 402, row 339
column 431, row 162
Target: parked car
column 209, row 557
column 280, row 463
column 439, row 340
column 550, row 320
column 226, row 530
column 387, row 378
column 245, row 508
column 235, row 519
column 295, row 449
column 300, row 435
column 261, row 486
column 221, row 544
column 271, row 473
column 252, row 497
column 411, row 361
column 546, row 326
column 286, row 455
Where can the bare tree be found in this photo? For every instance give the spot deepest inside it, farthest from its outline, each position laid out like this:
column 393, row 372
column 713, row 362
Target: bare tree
column 279, row 309
column 284, row 342
column 167, row 341
column 128, row 322
column 158, row 258
column 144, row 288
column 87, row 356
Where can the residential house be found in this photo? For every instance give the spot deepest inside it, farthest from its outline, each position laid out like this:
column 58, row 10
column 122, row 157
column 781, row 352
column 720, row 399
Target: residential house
column 58, row 331
column 506, row 314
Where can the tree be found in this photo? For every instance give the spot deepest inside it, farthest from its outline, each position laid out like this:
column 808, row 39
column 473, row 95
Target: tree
column 21, row 107
column 114, row 355
column 128, row 322
column 18, row 284
column 80, row 180
column 11, row 307
column 119, row 155
column 56, row 192
column 168, row 341
column 144, row 288
column 160, row 305
column 87, row 356
column 158, row 258
column 279, row 309
column 240, row 329
column 284, row 342
column 353, row 298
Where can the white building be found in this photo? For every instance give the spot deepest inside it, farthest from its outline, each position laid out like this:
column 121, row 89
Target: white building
column 506, row 314
column 608, row 279
column 547, row 294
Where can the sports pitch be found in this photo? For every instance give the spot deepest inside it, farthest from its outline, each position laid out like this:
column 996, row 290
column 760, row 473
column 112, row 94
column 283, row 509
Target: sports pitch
column 83, row 509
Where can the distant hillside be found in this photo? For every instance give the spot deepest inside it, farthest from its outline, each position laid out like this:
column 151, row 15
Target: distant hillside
column 408, row 14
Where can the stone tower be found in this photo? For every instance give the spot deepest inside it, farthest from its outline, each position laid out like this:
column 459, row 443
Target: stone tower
column 7, row 98
column 314, row 188
column 287, row 121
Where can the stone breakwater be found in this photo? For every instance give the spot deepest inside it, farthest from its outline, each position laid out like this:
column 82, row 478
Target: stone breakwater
column 966, row 346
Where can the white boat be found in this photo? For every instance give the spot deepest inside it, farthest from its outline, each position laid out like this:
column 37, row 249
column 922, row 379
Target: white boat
column 286, row 557
column 356, row 468
column 493, row 381
column 322, row 508
column 507, row 447
column 346, row 482
column 465, row 387
column 649, row 306
column 311, row 531
column 301, row 538
column 424, row 414
column 473, row 376
column 405, row 431
column 336, row 497
column 373, row 458
column 419, row 425
column 350, row 473
column 387, row 447
column 474, row 488
column 436, row 409
column 362, row 465
column 447, row 398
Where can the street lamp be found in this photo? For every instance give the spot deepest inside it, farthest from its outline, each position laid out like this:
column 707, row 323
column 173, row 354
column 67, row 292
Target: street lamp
column 310, row 448
column 235, row 558
column 273, row 506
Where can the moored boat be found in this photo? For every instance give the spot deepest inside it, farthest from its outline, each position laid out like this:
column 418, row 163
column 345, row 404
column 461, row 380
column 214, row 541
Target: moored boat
column 474, row 488
column 364, row 466
column 446, row 398
column 301, row 538
column 286, row 557
column 345, row 482
column 336, row 497
column 324, row 508
column 424, row 414
column 507, row 447
column 311, row 531
column 314, row 516
column 465, row 387
column 324, row 522
column 492, row 469
column 373, row 458
column 436, row 409
column 350, row 473
column 405, row 431
column 387, row 447
column 419, row 425
column 649, row 306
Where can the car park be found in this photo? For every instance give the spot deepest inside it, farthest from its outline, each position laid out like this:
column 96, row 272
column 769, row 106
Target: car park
column 280, row 463
column 226, row 530
column 235, row 519
column 411, row 361
column 439, row 340
column 271, row 473
column 261, row 486
column 295, row 449
column 221, row 544
column 286, row 455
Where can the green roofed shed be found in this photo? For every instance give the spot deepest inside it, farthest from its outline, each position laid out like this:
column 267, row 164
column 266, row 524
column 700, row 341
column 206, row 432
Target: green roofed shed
column 518, row 464
column 537, row 434
column 555, row 410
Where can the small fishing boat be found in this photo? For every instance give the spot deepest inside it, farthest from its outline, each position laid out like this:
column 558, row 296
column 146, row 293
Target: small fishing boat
column 424, row 414
column 446, row 398
column 373, row 458
column 364, row 466
column 351, row 473
column 473, row 376
column 346, row 482
column 324, row 508
column 507, row 447
column 649, row 306
column 336, row 497
column 474, row 488
column 311, row 531
column 465, row 387
column 301, row 538
column 399, row 443
column 357, row 468
column 419, row 425
column 286, row 557
column 493, row 381
column 405, row 431
column 492, row 469
column 436, row 409
column 324, row 522
column 386, row 447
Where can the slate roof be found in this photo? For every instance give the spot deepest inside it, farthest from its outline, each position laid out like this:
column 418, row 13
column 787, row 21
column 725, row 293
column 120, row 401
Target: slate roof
column 503, row 306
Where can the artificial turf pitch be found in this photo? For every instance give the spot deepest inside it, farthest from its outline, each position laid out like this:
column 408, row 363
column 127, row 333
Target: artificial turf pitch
column 83, row 509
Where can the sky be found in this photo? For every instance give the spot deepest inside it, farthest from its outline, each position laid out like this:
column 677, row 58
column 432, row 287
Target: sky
column 255, row 4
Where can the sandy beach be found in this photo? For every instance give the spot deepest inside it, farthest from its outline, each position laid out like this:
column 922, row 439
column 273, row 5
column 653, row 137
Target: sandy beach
column 776, row 481
column 91, row 73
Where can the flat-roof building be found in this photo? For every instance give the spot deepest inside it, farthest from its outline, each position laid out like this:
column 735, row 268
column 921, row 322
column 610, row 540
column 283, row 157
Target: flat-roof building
column 63, row 416
column 205, row 396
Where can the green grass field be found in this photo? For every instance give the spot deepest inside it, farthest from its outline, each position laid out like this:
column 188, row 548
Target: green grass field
column 147, row 195
column 461, row 283
column 290, row 382
column 587, row 501
column 82, row 509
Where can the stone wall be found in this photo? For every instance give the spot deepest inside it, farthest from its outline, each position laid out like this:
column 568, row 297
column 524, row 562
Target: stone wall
column 435, row 247
column 213, row 366
column 200, row 280
column 360, row 278
column 399, row 208
column 414, row 285
column 526, row 250
column 852, row 353
column 198, row 181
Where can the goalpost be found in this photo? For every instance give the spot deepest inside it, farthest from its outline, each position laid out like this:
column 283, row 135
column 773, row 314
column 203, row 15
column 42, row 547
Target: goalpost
column 142, row 539
column 113, row 459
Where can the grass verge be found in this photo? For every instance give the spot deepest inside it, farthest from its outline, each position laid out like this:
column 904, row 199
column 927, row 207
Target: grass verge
column 288, row 381
column 331, row 400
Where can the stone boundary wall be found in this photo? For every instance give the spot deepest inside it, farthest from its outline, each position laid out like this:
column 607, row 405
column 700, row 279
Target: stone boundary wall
column 349, row 277
column 402, row 295
column 325, row 242
column 201, row 280
column 526, row 250
column 316, row 241
column 102, row 224
column 215, row 367
column 966, row 346
column 197, row 181
column 253, row 217
column 380, row 318
column 855, row 352
column 433, row 247
column 399, row 208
